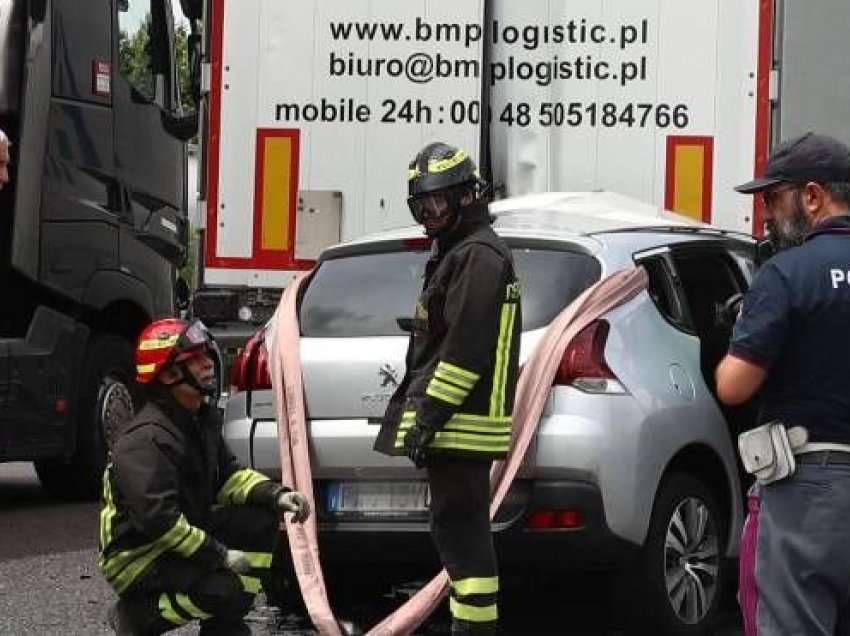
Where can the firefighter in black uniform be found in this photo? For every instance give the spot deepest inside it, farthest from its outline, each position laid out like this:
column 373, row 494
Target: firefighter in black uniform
column 186, row 533
column 452, row 411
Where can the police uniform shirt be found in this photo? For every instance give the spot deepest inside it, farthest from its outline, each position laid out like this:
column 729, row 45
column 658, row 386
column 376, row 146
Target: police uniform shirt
column 796, row 325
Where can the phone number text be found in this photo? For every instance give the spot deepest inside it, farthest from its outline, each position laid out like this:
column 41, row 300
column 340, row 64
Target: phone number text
column 512, row 114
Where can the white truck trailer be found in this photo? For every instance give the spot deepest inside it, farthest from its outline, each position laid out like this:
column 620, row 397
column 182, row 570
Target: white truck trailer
column 314, row 109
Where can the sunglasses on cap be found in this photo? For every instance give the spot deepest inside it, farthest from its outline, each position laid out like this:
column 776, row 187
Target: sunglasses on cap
column 771, row 195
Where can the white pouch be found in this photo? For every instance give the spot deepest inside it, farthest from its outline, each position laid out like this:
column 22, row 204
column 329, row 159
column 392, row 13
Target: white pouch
column 768, row 451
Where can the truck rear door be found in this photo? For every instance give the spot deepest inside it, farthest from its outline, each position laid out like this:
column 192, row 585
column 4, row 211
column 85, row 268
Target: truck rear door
column 321, row 116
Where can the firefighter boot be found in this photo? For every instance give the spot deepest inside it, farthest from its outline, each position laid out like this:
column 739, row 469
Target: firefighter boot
column 467, row 628
column 224, row 626
column 123, row 623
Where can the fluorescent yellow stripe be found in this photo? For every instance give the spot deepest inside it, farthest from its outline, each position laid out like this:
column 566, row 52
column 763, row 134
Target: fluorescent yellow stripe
column 473, row 613
column 437, row 393
column 186, row 603
column 451, row 389
column 107, row 514
column 447, row 376
column 476, row 585
column 168, row 612
column 688, row 183
column 251, row 584
column 471, row 376
column 145, row 368
column 122, row 569
column 466, row 441
column 159, row 343
column 503, row 351
column 238, row 486
column 277, row 166
column 171, row 537
column 493, row 428
column 259, row 559
column 410, row 416
column 412, row 173
column 473, row 438
column 192, row 543
column 441, row 165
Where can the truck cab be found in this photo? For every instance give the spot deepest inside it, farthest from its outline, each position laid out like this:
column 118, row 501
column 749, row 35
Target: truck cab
column 93, row 223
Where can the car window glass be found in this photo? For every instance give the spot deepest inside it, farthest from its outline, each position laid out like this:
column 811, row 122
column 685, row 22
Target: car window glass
column 364, row 295
column 662, row 290
column 143, row 50
column 709, row 278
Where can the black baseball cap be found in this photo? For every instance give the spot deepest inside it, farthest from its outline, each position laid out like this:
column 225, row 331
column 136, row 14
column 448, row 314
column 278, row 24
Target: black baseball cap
column 811, row 157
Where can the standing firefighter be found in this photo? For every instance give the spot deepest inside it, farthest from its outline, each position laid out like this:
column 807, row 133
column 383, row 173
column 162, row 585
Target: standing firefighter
column 452, row 412
column 185, row 532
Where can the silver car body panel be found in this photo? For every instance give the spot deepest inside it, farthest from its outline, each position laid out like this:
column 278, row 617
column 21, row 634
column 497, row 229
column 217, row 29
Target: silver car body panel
column 622, row 443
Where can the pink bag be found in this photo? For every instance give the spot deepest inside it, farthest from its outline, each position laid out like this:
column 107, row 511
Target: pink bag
column 533, row 389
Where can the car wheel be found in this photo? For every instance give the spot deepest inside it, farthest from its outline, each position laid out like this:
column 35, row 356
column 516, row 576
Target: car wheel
column 107, row 397
column 682, row 569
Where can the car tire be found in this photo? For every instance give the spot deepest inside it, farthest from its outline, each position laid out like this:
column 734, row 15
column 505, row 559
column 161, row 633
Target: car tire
column 681, row 571
column 107, row 397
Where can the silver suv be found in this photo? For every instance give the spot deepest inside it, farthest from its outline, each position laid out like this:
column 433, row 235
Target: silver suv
column 633, row 464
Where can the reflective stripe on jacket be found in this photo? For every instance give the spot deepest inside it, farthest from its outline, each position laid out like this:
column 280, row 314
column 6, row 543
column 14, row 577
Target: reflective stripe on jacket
column 168, row 468
column 463, row 354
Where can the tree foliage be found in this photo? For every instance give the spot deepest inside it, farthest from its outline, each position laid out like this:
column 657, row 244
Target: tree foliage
column 134, row 52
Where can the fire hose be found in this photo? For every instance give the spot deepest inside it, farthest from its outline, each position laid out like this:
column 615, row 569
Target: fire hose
column 533, row 388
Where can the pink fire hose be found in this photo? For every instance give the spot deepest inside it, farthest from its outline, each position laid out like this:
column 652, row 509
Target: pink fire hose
column 532, row 392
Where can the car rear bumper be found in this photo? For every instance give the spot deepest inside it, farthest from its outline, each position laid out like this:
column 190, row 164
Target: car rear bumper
column 408, row 543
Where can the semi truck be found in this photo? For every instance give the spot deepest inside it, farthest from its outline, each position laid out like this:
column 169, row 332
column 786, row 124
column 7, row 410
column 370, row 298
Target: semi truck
column 313, row 109
column 93, row 222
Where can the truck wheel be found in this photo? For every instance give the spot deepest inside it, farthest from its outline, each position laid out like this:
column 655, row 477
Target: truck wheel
column 681, row 571
column 108, row 395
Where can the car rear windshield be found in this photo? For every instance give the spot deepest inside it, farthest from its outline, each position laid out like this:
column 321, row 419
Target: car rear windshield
column 365, row 294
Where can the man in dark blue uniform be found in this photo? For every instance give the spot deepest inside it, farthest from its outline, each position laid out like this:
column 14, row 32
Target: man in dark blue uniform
column 791, row 345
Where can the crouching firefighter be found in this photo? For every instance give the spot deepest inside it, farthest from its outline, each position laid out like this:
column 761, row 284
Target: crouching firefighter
column 186, row 533
column 451, row 414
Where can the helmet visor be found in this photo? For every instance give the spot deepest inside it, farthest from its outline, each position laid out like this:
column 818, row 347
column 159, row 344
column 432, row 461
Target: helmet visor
column 430, row 207
column 195, row 336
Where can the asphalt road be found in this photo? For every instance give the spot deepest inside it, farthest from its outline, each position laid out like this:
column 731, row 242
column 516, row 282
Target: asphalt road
column 49, row 583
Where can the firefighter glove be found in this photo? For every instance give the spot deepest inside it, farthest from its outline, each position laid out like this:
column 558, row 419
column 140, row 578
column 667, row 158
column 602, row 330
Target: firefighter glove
column 294, row 502
column 237, row 561
column 416, row 442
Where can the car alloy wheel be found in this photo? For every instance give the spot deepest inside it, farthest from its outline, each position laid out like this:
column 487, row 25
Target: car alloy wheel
column 691, row 558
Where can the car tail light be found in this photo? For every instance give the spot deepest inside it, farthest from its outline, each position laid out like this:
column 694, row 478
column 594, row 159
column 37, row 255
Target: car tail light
column 418, row 243
column 250, row 369
column 583, row 365
column 570, row 519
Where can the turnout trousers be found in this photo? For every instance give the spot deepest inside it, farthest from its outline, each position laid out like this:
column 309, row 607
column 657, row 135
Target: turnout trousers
column 460, row 529
column 175, row 591
column 794, row 558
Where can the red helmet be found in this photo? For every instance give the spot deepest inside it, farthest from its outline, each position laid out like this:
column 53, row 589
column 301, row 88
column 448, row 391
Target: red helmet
column 168, row 341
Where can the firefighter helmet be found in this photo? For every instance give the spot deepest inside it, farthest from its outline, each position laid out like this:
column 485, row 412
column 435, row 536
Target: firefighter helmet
column 168, row 341
column 439, row 166
column 439, row 177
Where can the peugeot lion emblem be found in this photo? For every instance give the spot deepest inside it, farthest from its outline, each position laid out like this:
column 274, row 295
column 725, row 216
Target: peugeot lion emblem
column 389, row 376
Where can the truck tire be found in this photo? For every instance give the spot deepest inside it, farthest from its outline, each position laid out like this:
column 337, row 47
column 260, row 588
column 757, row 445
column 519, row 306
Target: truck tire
column 108, row 396
column 681, row 570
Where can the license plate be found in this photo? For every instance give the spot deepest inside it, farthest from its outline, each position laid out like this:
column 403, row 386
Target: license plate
column 377, row 497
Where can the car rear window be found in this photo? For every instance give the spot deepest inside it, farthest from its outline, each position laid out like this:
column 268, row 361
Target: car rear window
column 363, row 295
